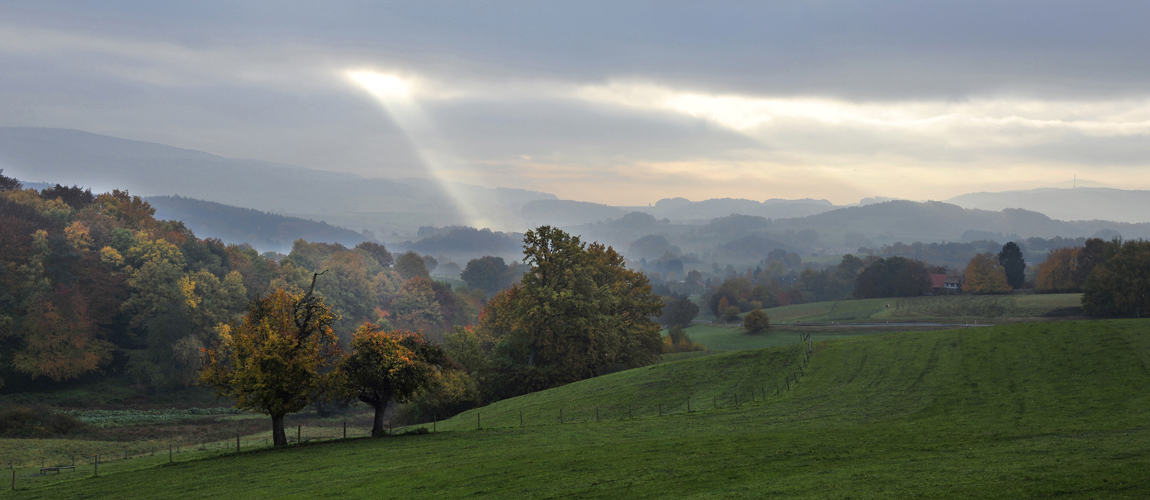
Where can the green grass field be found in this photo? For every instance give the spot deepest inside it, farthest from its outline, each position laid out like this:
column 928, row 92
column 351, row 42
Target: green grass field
column 1012, row 411
column 943, row 308
column 956, row 309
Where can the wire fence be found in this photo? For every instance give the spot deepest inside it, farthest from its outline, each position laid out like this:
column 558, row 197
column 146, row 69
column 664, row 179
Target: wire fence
column 29, row 468
column 543, row 414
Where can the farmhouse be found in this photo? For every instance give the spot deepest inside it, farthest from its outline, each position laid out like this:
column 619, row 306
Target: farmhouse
column 944, row 283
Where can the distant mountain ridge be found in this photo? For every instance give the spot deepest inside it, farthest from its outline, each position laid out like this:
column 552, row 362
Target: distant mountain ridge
column 262, row 230
column 910, row 221
column 149, row 169
column 1084, row 203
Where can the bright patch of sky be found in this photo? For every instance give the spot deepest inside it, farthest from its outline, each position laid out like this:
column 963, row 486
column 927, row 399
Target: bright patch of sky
column 614, row 102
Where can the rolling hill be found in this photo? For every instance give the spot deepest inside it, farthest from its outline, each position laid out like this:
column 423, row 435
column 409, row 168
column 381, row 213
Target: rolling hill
column 262, row 230
column 1086, row 203
column 1029, row 410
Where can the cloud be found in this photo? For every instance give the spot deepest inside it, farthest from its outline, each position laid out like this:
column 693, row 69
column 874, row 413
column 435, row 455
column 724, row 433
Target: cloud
column 620, row 102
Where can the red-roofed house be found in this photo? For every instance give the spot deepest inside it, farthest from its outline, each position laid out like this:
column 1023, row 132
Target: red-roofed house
column 937, row 282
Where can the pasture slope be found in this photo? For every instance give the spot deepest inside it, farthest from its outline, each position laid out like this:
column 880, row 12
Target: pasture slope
column 941, row 308
column 1012, row 411
column 848, row 318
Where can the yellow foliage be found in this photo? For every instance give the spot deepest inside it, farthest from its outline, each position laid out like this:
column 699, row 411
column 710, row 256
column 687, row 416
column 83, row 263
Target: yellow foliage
column 984, row 275
column 154, row 250
column 188, row 290
column 55, row 210
column 110, row 256
column 1056, row 273
column 276, row 359
column 78, row 235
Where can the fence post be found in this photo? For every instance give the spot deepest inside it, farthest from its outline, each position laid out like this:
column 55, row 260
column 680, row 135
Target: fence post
column 345, row 429
column 237, row 444
column 13, row 479
column 688, row 405
column 715, row 402
column 477, row 424
column 736, row 399
column 169, row 453
column 560, row 414
column 596, row 413
column 520, row 418
column 389, row 427
column 660, row 409
column 433, row 419
column 298, row 433
column 96, row 466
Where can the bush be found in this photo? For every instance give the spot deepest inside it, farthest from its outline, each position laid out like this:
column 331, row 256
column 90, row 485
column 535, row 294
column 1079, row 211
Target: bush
column 756, row 321
column 678, row 341
column 39, row 421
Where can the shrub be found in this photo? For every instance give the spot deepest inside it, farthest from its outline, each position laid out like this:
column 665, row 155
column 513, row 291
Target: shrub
column 756, row 321
column 39, row 421
column 678, row 341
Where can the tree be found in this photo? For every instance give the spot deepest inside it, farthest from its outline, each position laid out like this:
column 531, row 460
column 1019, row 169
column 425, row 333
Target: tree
column 577, row 311
column 410, row 265
column 893, row 277
column 678, row 310
column 1013, row 264
column 377, row 252
column 486, row 273
column 756, row 321
column 387, row 366
column 59, row 338
column 430, row 263
column 1056, row 273
column 274, row 361
column 984, row 275
column 1092, row 253
column 8, row 183
column 1120, row 285
column 415, row 307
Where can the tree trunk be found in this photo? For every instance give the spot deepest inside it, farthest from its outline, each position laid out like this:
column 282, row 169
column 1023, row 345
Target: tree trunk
column 377, row 426
column 278, row 436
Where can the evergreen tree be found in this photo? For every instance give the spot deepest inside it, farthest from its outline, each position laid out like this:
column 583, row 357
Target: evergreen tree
column 1011, row 260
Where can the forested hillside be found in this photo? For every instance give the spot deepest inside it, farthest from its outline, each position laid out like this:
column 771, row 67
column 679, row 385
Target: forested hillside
column 95, row 285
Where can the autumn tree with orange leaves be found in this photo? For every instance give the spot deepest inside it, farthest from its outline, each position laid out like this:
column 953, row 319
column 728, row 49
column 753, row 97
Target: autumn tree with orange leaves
column 384, row 366
column 275, row 360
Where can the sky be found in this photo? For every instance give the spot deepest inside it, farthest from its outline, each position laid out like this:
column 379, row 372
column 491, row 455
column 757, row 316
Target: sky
column 614, row 102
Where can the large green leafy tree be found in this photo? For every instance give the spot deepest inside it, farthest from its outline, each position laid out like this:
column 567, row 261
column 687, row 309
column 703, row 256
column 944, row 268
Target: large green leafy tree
column 387, row 366
column 1120, row 285
column 411, row 265
column 678, row 310
column 277, row 358
column 893, row 277
column 577, row 311
column 1014, row 264
column 486, row 273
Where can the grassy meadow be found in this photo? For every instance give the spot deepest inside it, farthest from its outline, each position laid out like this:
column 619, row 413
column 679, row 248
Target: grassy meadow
column 851, row 318
column 1019, row 410
column 935, row 309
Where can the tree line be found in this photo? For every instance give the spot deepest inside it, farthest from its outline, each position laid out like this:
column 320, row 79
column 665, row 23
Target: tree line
column 577, row 312
column 94, row 285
